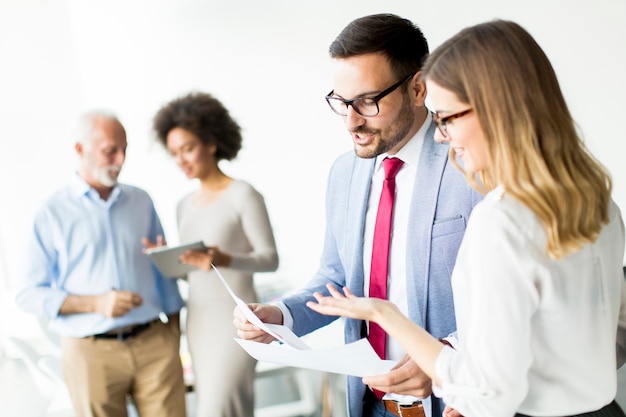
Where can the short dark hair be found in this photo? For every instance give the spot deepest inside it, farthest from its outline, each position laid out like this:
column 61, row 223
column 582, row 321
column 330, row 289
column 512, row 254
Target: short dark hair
column 399, row 39
column 204, row 116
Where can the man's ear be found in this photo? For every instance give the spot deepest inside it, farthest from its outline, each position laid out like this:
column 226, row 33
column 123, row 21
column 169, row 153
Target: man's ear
column 418, row 89
column 79, row 148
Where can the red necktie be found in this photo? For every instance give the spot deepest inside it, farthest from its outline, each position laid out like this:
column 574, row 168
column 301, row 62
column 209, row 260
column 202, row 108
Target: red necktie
column 380, row 251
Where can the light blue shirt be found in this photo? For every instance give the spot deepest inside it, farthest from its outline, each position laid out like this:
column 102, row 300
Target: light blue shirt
column 80, row 244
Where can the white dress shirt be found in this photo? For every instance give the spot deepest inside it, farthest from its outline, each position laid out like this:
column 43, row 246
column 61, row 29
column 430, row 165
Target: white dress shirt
column 536, row 335
column 405, row 182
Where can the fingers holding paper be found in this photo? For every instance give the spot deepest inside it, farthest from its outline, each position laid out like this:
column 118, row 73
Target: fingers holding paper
column 248, row 331
column 406, row 378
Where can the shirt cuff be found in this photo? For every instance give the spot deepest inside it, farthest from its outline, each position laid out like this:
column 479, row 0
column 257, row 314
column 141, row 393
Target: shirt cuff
column 287, row 317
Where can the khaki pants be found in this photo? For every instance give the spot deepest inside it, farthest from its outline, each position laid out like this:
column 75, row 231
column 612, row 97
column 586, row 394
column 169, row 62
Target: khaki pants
column 101, row 372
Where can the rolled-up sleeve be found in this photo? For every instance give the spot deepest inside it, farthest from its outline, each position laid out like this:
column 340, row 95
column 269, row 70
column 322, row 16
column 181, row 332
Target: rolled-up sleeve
column 36, row 291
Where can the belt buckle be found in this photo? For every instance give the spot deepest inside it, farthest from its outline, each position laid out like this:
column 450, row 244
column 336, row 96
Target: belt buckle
column 129, row 332
column 400, row 407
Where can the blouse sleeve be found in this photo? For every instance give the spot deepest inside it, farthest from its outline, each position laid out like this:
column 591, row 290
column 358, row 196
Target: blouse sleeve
column 258, row 230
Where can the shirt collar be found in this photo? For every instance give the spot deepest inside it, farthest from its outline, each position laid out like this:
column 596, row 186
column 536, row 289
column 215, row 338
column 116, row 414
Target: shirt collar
column 410, row 152
column 79, row 187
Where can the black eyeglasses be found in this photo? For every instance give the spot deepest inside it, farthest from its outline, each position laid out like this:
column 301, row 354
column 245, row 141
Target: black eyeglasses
column 442, row 122
column 365, row 106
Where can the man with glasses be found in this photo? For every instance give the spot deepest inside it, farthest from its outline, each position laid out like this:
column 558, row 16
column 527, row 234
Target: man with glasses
column 379, row 94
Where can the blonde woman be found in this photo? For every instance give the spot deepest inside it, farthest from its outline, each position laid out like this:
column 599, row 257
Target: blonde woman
column 538, row 285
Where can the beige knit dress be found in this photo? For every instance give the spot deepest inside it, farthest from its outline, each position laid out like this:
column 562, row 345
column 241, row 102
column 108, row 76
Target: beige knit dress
column 238, row 224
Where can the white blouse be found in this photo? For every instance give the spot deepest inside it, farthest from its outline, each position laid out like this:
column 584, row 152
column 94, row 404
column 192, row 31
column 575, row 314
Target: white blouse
column 535, row 335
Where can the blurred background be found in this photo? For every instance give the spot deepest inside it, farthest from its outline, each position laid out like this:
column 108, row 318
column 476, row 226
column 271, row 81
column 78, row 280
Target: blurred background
column 267, row 61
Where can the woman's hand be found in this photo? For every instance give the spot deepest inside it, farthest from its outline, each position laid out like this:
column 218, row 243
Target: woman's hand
column 421, row 346
column 349, row 305
column 203, row 259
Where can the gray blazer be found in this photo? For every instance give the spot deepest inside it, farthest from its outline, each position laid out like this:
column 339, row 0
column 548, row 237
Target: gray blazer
column 441, row 204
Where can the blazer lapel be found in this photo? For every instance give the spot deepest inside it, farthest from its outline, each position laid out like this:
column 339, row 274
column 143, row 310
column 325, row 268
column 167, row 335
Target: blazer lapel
column 359, row 189
column 433, row 159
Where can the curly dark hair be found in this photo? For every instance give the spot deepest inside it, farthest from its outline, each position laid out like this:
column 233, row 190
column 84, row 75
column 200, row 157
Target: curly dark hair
column 204, row 116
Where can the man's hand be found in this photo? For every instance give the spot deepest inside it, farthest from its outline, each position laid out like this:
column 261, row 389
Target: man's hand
column 148, row 244
column 405, row 378
column 451, row 412
column 248, row 331
column 117, row 303
column 110, row 304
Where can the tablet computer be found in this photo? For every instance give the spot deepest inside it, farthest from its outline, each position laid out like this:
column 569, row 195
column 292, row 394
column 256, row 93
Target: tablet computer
column 166, row 258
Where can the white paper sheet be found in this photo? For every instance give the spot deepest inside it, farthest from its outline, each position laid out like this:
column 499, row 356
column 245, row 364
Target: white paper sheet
column 357, row 359
column 280, row 332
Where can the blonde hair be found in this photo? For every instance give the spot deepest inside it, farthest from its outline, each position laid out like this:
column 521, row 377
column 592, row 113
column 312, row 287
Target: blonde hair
column 535, row 150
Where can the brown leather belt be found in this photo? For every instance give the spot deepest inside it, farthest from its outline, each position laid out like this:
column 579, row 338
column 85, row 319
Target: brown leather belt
column 411, row 410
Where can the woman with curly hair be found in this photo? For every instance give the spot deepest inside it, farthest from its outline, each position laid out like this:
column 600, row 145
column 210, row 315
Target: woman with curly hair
column 231, row 218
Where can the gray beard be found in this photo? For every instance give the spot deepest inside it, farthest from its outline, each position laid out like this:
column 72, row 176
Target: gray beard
column 102, row 176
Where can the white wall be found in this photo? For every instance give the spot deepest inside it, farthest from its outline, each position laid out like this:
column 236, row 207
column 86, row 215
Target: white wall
column 267, row 61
